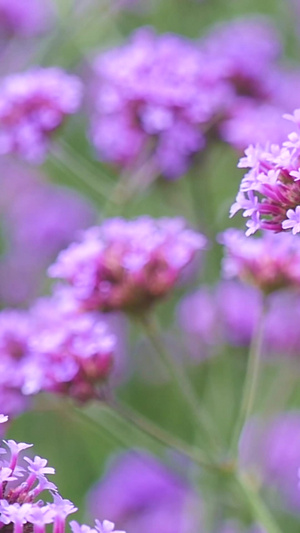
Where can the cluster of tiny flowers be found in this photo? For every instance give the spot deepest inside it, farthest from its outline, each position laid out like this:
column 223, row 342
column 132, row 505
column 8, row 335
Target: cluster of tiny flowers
column 270, row 262
column 52, row 348
column 270, row 192
column 151, row 97
column 163, row 97
column 33, row 105
column 21, row 485
column 24, row 19
column 127, row 265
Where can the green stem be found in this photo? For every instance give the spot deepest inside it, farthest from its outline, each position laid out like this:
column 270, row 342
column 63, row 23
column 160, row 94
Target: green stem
column 93, row 182
column 252, row 377
column 147, row 427
column 260, row 512
column 180, row 379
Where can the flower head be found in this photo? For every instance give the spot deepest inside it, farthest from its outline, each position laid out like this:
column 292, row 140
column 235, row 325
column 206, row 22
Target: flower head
column 127, row 265
column 272, row 185
column 154, row 97
column 33, row 105
column 270, row 262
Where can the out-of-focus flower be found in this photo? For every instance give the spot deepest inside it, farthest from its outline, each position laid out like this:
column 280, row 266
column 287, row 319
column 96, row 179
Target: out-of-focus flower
column 33, row 105
column 271, row 450
column 128, row 265
column 73, row 352
column 270, row 262
column 141, row 494
column 244, row 50
column 270, row 192
column 37, row 224
column 253, row 123
column 211, row 317
column 153, row 97
column 24, row 19
column 52, row 348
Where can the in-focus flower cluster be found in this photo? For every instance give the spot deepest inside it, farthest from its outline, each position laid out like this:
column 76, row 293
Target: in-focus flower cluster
column 269, row 193
column 270, row 262
column 22, row 480
column 127, row 265
column 33, row 105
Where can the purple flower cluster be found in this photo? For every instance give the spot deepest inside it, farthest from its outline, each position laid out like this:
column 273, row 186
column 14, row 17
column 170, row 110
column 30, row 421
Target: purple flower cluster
column 127, row 265
column 269, row 193
column 33, row 105
column 270, row 262
column 20, row 486
column 151, row 98
column 142, row 494
column 53, row 348
column 24, row 19
column 37, row 224
column 163, row 97
column 212, row 317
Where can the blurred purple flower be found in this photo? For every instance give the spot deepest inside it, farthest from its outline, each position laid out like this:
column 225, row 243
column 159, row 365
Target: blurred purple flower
column 270, row 262
column 244, row 50
column 24, row 19
column 271, row 449
column 37, row 224
column 33, row 105
column 152, row 97
column 141, row 494
column 128, row 264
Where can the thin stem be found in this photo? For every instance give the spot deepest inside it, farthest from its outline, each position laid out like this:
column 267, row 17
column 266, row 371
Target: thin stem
column 251, row 378
column 260, row 511
column 80, row 171
column 147, row 427
column 180, row 379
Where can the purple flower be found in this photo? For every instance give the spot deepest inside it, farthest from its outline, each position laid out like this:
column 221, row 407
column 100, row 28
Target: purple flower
column 271, row 450
column 32, row 106
column 37, row 224
column 270, row 262
column 244, row 50
column 153, row 98
column 128, row 265
column 212, row 317
column 141, row 494
column 273, row 179
column 24, row 19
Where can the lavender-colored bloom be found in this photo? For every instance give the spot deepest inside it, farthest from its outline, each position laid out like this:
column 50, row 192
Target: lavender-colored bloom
column 271, row 450
column 244, row 50
column 33, row 105
column 21, row 485
column 272, row 185
column 128, row 265
column 24, row 19
column 153, row 99
column 37, row 224
column 141, row 494
column 253, row 123
column 270, row 262
column 210, row 317
column 73, row 352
